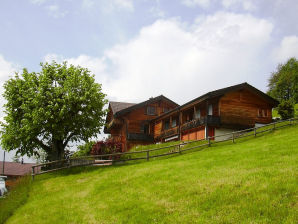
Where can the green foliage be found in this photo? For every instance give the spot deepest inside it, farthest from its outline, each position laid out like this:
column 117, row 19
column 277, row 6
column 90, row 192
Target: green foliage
column 49, row 109
column 286, row 109
column 283, row 83
column 247, row 182
column 85, row 149
column 17, row 196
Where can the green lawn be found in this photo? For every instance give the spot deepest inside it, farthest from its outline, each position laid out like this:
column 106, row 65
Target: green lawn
column 17, row 196
column 251, row 181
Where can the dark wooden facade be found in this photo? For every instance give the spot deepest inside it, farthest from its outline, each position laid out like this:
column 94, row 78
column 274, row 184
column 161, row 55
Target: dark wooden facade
column 132, row 124
column 232, row 108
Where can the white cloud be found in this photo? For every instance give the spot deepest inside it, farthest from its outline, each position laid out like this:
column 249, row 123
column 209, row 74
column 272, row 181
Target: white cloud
column 183, row 62
column 247, row 5
column 288, row 48
column 55, row 11
column 193, row 3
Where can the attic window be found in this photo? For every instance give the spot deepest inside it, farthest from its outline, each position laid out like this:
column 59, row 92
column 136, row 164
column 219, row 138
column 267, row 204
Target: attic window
column 151, row 110
column 166, row 109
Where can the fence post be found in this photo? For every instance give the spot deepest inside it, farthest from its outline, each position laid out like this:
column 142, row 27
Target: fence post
column 255, row 132
column 147, row 155
column 274, row 126
column 233, row 138
column 209, row 141
column 179, row 149
column 32, row 172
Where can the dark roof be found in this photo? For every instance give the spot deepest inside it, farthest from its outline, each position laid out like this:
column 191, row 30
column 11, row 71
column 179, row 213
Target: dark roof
column 16, row 169
column 136, row 106
column 220, row 92
column 223, row 91
column 118, row 106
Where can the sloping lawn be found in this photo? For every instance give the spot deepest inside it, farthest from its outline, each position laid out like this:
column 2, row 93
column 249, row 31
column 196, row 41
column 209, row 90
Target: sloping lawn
column 17, row 196
column 253, row 181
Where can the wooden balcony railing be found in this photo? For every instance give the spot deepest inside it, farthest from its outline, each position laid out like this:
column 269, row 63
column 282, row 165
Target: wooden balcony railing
column 169, row 132
column 139, row 137
column 210, row 120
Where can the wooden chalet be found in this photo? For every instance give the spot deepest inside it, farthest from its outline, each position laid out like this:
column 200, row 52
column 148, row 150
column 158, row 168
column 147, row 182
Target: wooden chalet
column 214, row 113
column 131, row 123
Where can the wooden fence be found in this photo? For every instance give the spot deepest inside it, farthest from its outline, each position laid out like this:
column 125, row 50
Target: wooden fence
column 114, row 158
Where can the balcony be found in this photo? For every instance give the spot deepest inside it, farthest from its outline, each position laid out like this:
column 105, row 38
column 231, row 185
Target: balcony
column 210, row 120
column 140, row 137
column 169, row 132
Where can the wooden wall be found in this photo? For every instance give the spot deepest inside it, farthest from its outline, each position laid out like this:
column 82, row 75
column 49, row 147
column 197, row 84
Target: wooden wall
column 139, row 116
column 157, row 129
column 195, row 134
column 241, row 107
column 134, row 120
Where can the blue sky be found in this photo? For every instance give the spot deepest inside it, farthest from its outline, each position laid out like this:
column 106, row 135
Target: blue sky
column 143, row 48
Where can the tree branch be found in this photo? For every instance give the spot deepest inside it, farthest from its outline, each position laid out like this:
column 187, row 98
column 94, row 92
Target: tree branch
column 45, row 147
column 67, row 139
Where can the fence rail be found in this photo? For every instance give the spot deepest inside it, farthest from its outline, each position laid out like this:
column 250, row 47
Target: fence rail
column 163, row 151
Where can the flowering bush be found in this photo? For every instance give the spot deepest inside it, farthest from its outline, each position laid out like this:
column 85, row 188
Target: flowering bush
column 108, row 146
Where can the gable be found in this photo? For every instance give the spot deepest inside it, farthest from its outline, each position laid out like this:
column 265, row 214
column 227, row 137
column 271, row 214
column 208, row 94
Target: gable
column 157, row 101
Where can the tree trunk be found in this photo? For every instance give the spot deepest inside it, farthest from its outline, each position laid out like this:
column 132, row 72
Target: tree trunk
column 57, row 152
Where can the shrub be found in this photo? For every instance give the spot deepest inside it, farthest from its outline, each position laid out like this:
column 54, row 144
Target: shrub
column 286, row 109
column 85, row 149
column 108, row 146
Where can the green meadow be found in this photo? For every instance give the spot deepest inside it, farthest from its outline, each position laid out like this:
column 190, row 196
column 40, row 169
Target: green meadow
column 254, row 180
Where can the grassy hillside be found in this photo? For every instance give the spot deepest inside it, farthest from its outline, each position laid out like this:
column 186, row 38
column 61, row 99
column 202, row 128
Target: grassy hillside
column 253, row 181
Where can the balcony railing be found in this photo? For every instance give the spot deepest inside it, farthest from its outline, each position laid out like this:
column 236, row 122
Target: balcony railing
column 139, row 137
column 210, row 120
column 169, row 132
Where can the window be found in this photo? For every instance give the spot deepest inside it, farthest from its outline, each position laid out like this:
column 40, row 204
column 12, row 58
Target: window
column 151, row 110
column 174, row 123
column 145, row 128
column 210, row 109
column 259, row 112
column 198, row 113
column 166, row 109
column 166, row 125
column 262, row 113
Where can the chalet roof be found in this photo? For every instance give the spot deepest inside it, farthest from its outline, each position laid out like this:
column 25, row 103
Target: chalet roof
column 16, row 169
column 118, row 106
column 223, row 91
column 220, row 92
column 136, row 106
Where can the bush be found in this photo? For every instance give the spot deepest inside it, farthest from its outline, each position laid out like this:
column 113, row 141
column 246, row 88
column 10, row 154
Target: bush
column 286, row 109
column 85, row 149
column 108, row 146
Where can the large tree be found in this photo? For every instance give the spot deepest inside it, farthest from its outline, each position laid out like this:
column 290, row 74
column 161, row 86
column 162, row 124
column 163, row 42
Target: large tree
column 283, row 83
column 51, row 108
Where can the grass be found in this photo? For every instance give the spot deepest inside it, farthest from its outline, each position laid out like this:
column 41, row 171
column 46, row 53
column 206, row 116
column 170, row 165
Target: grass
column 251, row 181
column 16, row 197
